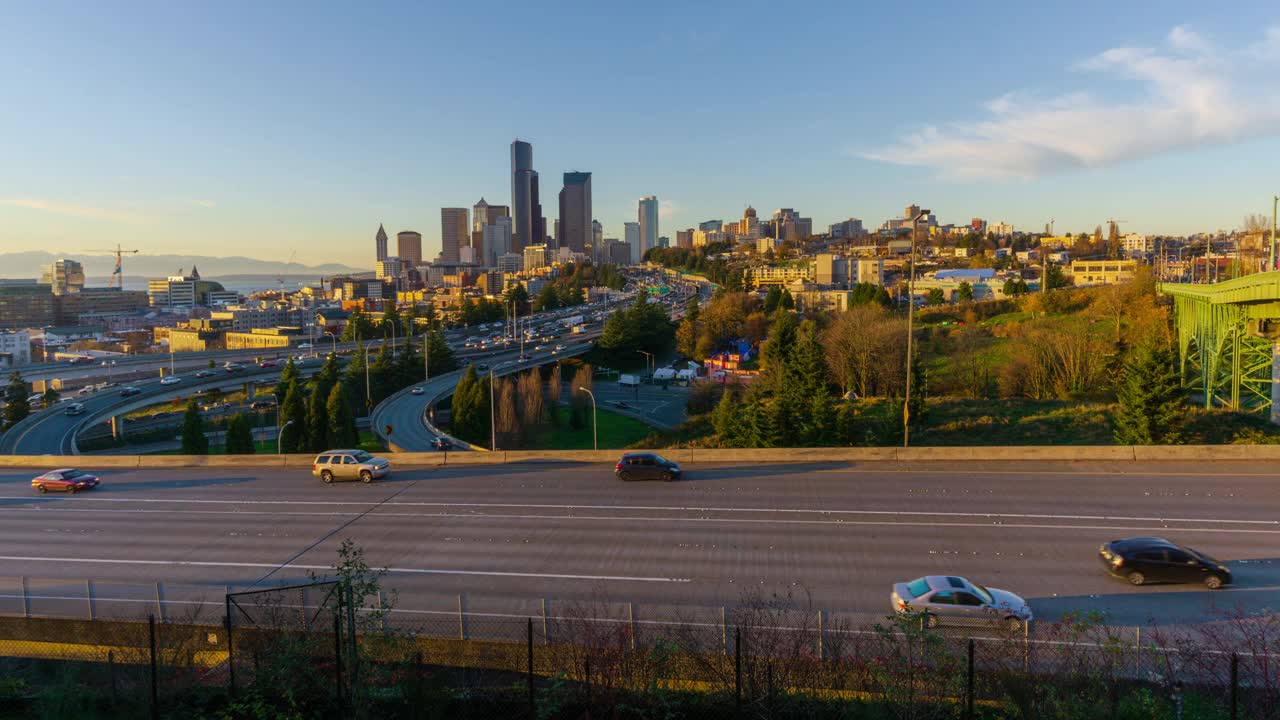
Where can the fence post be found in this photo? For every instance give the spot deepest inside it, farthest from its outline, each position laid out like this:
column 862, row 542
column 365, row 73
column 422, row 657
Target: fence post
column 1235, row 684
column 820, row 655
column 231, row 648
column 159, row 602
column 88, row 594
column 724, row 632
column 303, row 610
column 968, row 695
column 155, row 693
column 769, row 687
column 586, row 671
column 111, row 672
column 545, row 639
column 631, row 621
column 462, row 628
column 337, row 654
column 382, row 609
column 353, row 661
column 533, row 705
column 737, row 669
column 26, row 599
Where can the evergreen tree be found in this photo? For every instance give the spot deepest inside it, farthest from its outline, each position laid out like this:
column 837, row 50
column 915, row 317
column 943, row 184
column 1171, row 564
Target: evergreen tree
column 408, row 366
column 965, row 292
column 916, row 407
column 1054, row 277
column 547, row 299
column 772, row 298
column 288, row 375
column 390, row 319
column 786, row 302
column 194, row 441
column 430, row 316
column 342, row 424
column 239, row 439
column 294, row 410
column 935, row 297
column 441, row 358
column 470, row 408
column 776, row 352
column 410, row 320
column 50, row 397
column 381, row 375
column 318, row 439
column 820, row 430
column 353, row 380
column 1150, row 398
column 693, row 309
column 725, row 418
column 15, row 397
column 516, row 293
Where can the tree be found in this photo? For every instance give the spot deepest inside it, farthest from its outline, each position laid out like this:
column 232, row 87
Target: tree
column 470, row 408
column 194, row 441
column 50, row 397
column 390, row 319
column 15, row 397
column 341, row 422
column 294, row 410
column 353, row 379
column 787, row 302
column 725, row 418
column 916, row 404
column 239, row 438
column 1015, row 286
column 935, row 296
column 1054, row 278
column 555, row 390
column 440, row 357
column 772, row 298
column 287, row 375
column 318, row 438
column 866, row 350
column 1150, row 398
column 965, row 292
column 516, row 293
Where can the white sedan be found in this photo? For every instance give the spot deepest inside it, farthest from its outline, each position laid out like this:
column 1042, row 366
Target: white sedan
column 170, row 380
column 417, row 391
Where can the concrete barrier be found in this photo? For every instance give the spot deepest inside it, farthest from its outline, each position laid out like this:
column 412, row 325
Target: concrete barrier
column 692, row 456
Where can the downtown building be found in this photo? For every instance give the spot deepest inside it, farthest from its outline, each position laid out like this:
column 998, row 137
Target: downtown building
column 647, row 217
column 453, row 233
column 409, row 247
column 576, row 231
column 528, row 225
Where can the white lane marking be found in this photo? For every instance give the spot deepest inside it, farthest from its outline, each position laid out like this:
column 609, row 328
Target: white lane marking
column 651, row 519
column 798, row 511
column 404, row 571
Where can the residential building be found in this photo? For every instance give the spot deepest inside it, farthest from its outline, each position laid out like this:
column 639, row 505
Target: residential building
column 1135, row 244
column 702, row 238
column 535, row 257
column 1000, row 229
column 380, row 242
column 576, row 227
column 631, row 233
column 497, row 241
column 15, row 348
column 454, row 224
column 684, row 239
column 247, row 319
column 97, row 304
column 648, row 219
column 828, row 269
column 265, row 338
column 491, row 283
column 851, row 228
column 527, row 227
column 25, row 304
column 64, row 276
column 869, row 270
column 409, row 247
column 1102, row 272
column 778, row 274
column 765, row 244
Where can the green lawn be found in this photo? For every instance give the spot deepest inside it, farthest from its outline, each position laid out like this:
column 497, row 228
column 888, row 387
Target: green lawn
column 616, row 431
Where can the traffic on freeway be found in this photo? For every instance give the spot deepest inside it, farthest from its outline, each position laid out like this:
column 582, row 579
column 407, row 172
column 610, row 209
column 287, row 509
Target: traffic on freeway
column 839, row 536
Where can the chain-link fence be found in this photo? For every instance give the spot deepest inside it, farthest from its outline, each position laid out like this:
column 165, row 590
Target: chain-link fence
column 314, row 650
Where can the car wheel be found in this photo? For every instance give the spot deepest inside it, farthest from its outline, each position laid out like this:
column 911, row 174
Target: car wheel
column 1213, row 582
column 42, row 489
column 1136, row 578
column 326, row 476
column 366, row 476
column 930, row 620
column 624, row 477
column 668, row 477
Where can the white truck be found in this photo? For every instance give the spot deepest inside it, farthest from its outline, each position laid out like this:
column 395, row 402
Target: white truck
column 572, row 320
column 629, row 380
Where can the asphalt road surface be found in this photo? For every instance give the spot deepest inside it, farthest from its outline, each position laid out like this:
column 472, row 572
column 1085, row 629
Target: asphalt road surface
column 507, row 537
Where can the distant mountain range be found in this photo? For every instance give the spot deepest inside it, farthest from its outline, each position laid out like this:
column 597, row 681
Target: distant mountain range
column 97, row 268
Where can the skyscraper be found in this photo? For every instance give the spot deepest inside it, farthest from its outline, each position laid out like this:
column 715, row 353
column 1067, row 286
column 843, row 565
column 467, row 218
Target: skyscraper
column 631, row 237
column 409, row 247
column 575, row 212
column 527, row 226
column 380, row 240
column 648, row 216
column 484, row 214
column 496, row 241
column 64, row 276
column 597, row 242
column 453, row 232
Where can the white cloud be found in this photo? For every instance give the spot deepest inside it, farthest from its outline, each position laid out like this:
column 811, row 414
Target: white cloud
column 1193, row 95
column 667, row 209
column 205, row 203
column 80, row 211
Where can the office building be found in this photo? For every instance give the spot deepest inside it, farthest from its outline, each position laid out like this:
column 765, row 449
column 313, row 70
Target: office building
column 92, row 305
column 454, row 223
column 246, row 319
column 711, row 225
column 496, row 241
column 509, row 263
column 631, row 235
column 409, row 247
column 64, row 276
column 575, row 229
column 482, row 213
column 664, row 242
column 1102, row 272
column 528, row 226
column 535, row 257
column 749, row 225
column 618, row 253
column 183, row 292
column 265, row 338
column 851, row 228
column 380, row 241
column 702, row 238
column 684, row 239
column 15, row 348
column 648, row 217
column 388, row 269
column 597, row 242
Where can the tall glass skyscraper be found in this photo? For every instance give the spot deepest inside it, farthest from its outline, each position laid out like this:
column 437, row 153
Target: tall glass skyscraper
column 648, row 217
column 526, row 211
column 575, row 211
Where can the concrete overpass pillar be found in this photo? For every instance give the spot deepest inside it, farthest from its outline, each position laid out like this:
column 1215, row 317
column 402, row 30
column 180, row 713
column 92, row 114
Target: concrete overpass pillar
column 1275, row 383
column 117, row 428
column 248, row 391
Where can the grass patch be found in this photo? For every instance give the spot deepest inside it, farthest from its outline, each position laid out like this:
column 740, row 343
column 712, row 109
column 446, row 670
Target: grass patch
column 616, row 431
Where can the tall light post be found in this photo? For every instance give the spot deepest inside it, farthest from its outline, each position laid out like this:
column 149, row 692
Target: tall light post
column 368, row 396
column 1275, row 200
column 170, row 343
column 280, row 436
column 334, row 339
column 911, row 316
column 426, row 354
column 647, row 357
column 595, row 445
column 108, row 364
column 493, row 428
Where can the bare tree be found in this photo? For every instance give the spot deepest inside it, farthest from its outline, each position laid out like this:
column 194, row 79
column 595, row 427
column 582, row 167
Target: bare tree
column 508, row 419
column 866, row 350
column 555, row 389
column 532, row 406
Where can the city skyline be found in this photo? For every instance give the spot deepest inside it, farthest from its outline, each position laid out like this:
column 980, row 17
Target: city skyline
column 185, row 155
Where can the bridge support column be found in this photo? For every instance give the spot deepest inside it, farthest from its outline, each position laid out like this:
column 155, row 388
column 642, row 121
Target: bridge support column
column 1275, row 383
column 248, row 391
column 117, row 427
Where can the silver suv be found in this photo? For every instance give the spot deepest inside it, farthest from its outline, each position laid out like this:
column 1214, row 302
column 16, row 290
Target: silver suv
column 350, row 465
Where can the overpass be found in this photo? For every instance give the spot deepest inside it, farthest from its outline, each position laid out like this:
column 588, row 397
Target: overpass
column 1227, row 335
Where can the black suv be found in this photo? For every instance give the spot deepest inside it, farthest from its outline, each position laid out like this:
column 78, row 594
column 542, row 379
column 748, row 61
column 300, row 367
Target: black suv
column 646, row 466
column 1144, row 559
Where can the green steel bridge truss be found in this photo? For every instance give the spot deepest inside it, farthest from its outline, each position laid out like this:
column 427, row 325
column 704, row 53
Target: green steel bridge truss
column 1226, row 335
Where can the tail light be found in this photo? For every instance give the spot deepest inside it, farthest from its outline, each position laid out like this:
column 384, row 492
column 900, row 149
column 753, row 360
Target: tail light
column 618, row 466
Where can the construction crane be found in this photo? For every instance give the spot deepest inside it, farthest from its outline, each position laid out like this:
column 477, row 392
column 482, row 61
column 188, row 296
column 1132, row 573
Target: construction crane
column 118, row 273
column 280, row 276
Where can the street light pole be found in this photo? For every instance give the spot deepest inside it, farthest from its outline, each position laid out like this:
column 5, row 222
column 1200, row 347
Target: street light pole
column 911, row 316
column 595, row 444
column 368, row 396
column 280, row 436
column 334, row 339
column 493, row 428
column 1275, row 200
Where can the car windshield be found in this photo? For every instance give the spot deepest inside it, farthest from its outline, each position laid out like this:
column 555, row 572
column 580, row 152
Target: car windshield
column 918, row 587
column 661, row 460
column 984, row 594
column 71, row 474
column 1201, row 556
column 362, row 456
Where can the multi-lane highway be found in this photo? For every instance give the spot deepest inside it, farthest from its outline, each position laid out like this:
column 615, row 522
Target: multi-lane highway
column 507, row 536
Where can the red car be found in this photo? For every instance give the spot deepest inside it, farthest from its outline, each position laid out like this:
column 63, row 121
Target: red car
column 268, row 364
column 66, row 479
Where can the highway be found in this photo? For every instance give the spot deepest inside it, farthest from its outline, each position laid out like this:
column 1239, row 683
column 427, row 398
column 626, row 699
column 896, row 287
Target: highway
column 505, row 537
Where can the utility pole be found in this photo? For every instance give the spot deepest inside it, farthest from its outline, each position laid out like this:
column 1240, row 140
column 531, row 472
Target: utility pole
column 911, row 316
column 1275, row 199
column 493, row 428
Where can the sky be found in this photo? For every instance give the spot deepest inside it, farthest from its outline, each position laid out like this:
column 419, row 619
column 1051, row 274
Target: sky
column 292, row 129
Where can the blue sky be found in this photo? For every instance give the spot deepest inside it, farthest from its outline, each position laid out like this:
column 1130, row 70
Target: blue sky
column 265, row 129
